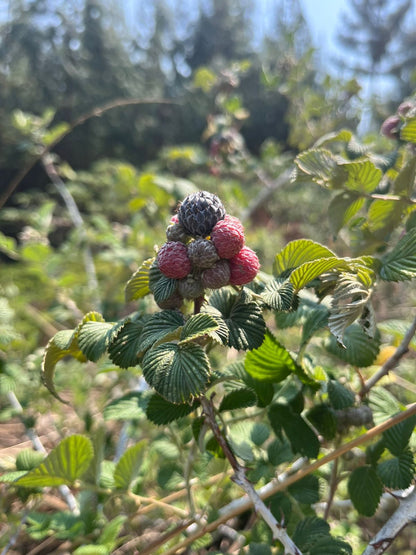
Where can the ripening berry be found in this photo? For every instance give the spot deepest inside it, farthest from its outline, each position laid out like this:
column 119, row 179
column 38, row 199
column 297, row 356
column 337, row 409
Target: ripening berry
column 390, row 127
column 202, row 253
column 175, row 232
column 174, row 301
column 217, row 276
column 173, row 260
column 228, row 237
column 190, row 288
column 243, row 267
column 199, row 212
column 405, row 107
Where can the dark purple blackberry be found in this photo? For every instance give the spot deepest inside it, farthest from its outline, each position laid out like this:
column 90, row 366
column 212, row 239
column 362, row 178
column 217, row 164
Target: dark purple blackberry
column 199, row 212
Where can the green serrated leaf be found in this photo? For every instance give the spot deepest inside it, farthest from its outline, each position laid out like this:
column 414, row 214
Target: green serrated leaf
column 237, row 399
column 199, row 325
column 349, row 300
column 62, row 344
column 138, row 285
column 385, row 215
column 131, row 406
column 93, row 339
column 306, row 490
column 408, row 130
column 398, row 473
column 315, row 320
column 343, row 136
column 243, row 317
column 318, row 164
column 308, row 531
column 330, row 546
column 360, row 350
column 383, row 404
column 128, row 466
column 400, row 263
column 65, row 464
column 323, row 419
column 125, row 347
column 270, row 362
column 339, row 396
column 279, row 451
column 164, row 288
column 362, row 176
column 28, row 459
column 405, row 181
column 308, row 271
column 365, row 489
column 342, row 208
column 111, row 532
column 177, row 372
column 278, row 294
column 161, row 412
column 259, row 433
column 299, row 252
column 159, row 326
column 397, row 437
column 302, row 438
column 9, row 477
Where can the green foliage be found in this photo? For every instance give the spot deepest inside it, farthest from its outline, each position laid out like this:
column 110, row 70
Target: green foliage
column 66, row 463
column 178, row 372
column 365, row 489
column 270, row 362
column 301, row 436
column 161, row 412
column 128, row 466
column 308, row 331
column 242, row 316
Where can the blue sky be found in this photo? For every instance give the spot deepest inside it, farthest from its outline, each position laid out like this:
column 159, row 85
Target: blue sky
column 323, row 17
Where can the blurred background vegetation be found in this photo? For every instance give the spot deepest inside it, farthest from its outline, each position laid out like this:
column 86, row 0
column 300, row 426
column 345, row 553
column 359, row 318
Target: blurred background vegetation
column 90, row 173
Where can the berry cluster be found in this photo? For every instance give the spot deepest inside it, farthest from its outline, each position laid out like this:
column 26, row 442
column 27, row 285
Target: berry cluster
column 205, row 249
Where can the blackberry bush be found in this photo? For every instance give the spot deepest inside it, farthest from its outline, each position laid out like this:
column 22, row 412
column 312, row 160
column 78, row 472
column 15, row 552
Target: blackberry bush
column 217, row 371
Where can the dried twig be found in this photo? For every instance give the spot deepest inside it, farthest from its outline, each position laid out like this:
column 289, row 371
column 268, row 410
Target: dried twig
column 244, row 503
column 240, row 478
column 392, row 362
column 404, row 514
column 78, row 222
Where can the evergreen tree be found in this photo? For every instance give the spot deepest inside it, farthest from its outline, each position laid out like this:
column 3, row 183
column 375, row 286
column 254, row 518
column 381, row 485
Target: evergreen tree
column 221, row 33
column 373, row 32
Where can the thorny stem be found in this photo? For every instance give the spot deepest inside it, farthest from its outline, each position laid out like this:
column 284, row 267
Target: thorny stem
column 404, row 514
column 245, row 503
column 240, row 478
column 392, row 362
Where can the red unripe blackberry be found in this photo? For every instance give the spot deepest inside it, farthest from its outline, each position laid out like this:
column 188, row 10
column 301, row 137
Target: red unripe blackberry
column 243, row 267
column 199, row 212
column 202, row 253
column 217, row 276
column 228, row 237
column 190, row 288
column 173, row 260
